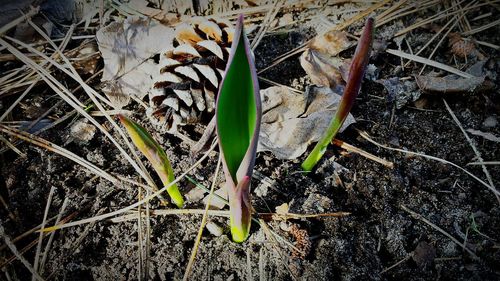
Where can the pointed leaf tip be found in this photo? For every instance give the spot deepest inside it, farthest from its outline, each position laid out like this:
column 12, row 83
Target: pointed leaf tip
column 356, row 74
column 148, row 146
column 238, row 115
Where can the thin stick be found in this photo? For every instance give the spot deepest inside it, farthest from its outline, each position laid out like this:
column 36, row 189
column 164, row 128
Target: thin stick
column 474, row 148
column 361, row 152
column 51, row 237
column 421, row 218
column 366, row 137
column 11, row 146
column 41, row 234
column 429, row 62
column 14, row 250
column 481, row 28
column 16, row 22
column 135, row 205
column 338, row 27
column 485, row 163
column 396, row 264
column 196, row 245
column 57, row 149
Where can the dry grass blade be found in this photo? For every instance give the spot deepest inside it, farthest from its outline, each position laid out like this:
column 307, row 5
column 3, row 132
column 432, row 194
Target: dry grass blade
column 14, row 250
column 69, row 98
column 51, row 238
column 485, row 163
column 366, row 137
column 429, row 62
column 203, row 223
column 11, row 146
column 19, row 20
column 57, row 149
column 38, row 78
column 421, row 218
column 474, row 148
column 363, row 153
column 338, row 27
column 169, row 212
column 442, row 14
column 266, row 23
column 41, row 234
column 457, row 20
column 272, row 237
column 135, row 205
column 482, row 28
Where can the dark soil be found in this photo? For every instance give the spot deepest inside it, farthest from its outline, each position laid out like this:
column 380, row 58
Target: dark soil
column 378, row 234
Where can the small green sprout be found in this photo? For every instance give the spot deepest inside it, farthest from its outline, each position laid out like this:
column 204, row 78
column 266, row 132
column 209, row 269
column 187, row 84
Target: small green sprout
column 238, row 114
column 156, row 156
column 356, row 73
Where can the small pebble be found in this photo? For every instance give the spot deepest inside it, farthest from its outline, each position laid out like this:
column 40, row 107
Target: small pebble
column 214, row 228
column 215, row 202
column 195, row 195
column 83, row 132
column 490, row 122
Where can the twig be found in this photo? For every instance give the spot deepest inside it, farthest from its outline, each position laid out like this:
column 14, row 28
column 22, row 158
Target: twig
column 363, row 153
column 396, row 264
column 421, row 218
column 196, row 245
column 482, row 28
column 429, row 62
column 41, row 234
column 473, row 146
column 366, row 137
column 14, row 250
column 51, row 237
column 135, row 205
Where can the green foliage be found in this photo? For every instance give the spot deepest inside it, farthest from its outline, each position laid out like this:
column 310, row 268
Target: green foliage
column 356, row 73
column 238, row 115
column 156, row 156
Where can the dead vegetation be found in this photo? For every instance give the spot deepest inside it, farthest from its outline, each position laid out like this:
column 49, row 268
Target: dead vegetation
column 409, row 192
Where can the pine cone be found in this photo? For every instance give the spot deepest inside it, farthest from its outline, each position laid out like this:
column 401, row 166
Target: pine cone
column 188, row 76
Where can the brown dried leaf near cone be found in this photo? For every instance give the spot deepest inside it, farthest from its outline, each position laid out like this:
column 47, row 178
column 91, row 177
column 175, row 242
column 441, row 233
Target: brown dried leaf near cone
column 188, row 75
column 463, row 48
column 127, row 48
column 321, row 62
column 85, row 57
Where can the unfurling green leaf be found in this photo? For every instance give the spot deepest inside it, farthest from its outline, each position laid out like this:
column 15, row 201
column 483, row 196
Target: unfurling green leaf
column 156, row 156
column 356, row 73
column 238, row 115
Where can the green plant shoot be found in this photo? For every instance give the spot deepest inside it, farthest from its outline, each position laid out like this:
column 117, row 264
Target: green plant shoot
column 156, row 156
column 238, row 114
column 356, row 74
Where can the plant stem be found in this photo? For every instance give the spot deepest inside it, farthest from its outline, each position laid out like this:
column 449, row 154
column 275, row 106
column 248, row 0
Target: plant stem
column 356, row 73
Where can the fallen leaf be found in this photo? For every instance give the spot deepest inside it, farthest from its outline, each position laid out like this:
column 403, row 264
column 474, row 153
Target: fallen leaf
column 127, row 48
column 486, row 135
column 400, row 92
column 320, row 59
column 292, row 121
column 424, row 254
column 451, row 84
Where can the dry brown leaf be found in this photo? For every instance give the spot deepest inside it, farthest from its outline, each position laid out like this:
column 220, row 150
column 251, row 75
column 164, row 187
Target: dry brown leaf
column 158, row 13
column 452, row 85
column 292, row 121
column 486, row 135
column 127, row 48
column 321, row 62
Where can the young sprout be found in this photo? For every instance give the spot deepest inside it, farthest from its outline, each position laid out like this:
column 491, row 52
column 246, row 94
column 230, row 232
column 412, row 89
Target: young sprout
column 238, row 114
column 356, row 73
column 156, row 156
